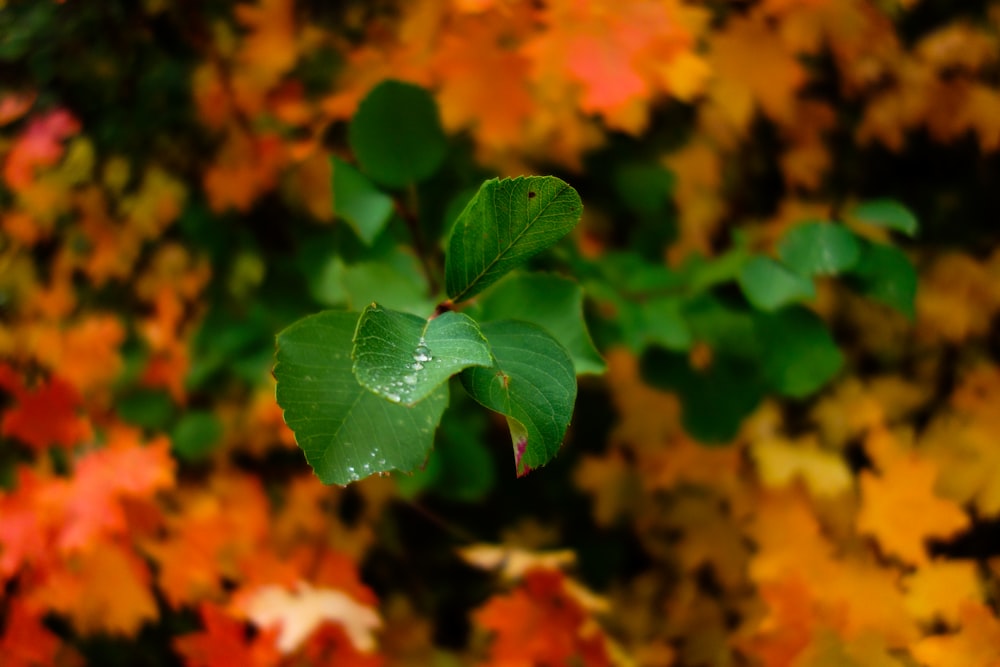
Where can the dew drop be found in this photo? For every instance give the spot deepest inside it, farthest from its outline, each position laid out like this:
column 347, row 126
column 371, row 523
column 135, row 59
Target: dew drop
column 417, row 366
column 410, row 379
column 393, row 397
column 422, row 353
column 381, row 462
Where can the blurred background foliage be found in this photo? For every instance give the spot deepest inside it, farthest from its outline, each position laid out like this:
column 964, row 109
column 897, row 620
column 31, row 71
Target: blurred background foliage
column 789, row 460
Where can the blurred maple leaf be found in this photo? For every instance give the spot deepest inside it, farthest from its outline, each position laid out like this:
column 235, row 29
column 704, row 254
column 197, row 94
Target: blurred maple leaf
column 46, row 415
column 770, row 80
column 940, row 589
column 39, row 145
column 974, row 644
column 79, row 588
column 542, row 601
column 905, row 488
column 299, row 613
column 92, row 499
column 224, row 643
column 26, row 642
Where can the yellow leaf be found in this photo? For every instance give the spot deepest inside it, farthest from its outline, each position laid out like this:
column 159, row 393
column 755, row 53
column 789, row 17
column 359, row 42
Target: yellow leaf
column 780, row 462
column 939, row 590
column 900, row 509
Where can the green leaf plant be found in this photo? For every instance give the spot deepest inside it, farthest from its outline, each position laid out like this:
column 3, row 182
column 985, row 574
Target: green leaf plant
column 364, row 392
column 365, row 387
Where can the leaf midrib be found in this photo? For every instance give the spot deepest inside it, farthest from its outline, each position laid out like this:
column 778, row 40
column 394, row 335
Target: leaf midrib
column 486, row 269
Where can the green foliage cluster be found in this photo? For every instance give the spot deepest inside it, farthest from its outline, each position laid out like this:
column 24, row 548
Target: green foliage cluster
column 365, row 391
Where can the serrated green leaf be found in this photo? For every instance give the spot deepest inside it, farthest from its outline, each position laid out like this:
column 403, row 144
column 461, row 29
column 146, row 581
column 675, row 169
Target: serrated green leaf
column 505, row 224
column 819, row 248
column 887, row 275
column 532, row 383
column 404, row 358
column 396, row 134
column 356, row 199
column 345, row 431
column 769, row 285
column 553, row 303
column 887, row 213
column 799, row 354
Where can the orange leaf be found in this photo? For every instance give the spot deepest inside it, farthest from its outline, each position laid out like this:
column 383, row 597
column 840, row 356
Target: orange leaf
column 900, row 509
column 26, row 642
column 769, row 79
column 975, row 644
column 224, row 643
column 104, row 590
column 102, row 480
column 38, row 146
column 542, row 601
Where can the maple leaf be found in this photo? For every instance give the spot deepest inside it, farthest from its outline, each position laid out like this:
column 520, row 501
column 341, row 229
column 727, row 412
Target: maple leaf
column 769, row 80
column 611, row 483
column 91, row 501
column 330, row 644
column 46, row 415
column 904, row 490
column 299, row 613
column 84, row 354
column 26, row 642
column 212, row 532
column 609, row 48
column 39, row 145
column 224, row 642
column 974, row 644
column 103, row 590
column 542, row 601
column 466, row 98
column 940, row 589
column 781, row 462
column 515, row 563
column 245, row 168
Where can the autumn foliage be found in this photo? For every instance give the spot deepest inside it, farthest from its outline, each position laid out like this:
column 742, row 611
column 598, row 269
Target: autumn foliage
column 167, row 206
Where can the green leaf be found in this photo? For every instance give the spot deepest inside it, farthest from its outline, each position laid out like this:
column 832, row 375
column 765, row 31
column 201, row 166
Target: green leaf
column 196, row 435
column 887, row 213
column 356, row 199
column 644, row 187
column 715, row 400
column 707, row 273
column 461, row 465
column 799, row 354
column 506, row 223
column 532, row 383
column 149, row 408
column 396, row 134
column 769, row 285
column 654, row 321
column 551, row 302
column 345, row 431
column 887, row 275
column 404, row 358
column 664, row 324
column 819, row 248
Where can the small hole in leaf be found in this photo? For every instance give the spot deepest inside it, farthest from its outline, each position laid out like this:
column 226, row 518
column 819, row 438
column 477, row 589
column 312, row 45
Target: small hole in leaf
column 531, row 195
